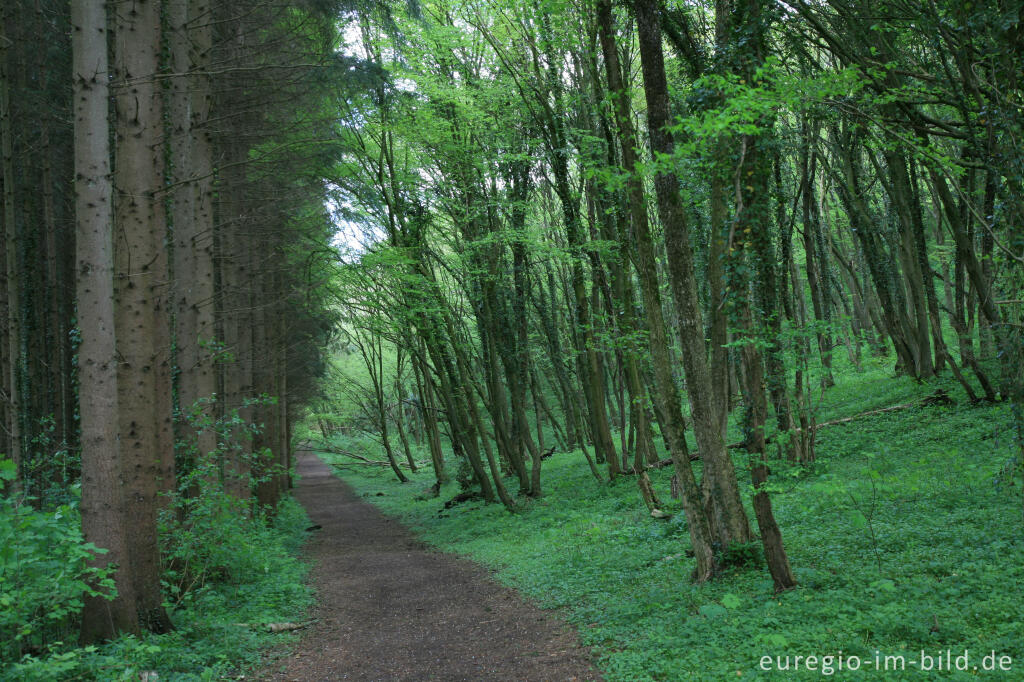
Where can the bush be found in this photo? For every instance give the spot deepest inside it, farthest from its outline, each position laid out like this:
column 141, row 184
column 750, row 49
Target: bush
column 227, row 569
column 243, row 574
column 213, row 538
column 43, row 574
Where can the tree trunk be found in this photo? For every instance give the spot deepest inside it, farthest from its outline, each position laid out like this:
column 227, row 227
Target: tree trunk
column 399, row 419
column 425, row 391
column 728, row 520
column 192, row 218
column 670, row 412
column 519, row 371
column 11, row 382
column 591, row 370
column 142, row 328
column 879, row 264
column 817, row 257
column 748, row 26
column 102, row 506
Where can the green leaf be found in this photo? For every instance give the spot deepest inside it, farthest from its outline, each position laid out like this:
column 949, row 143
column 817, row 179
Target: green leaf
column 730, row 601
column 856, row 518
column 712, row 611
column 883, row 585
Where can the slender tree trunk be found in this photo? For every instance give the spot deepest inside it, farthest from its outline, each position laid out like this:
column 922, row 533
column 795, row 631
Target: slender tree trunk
column 6, row 219
column 670, row 412
column 903, row 196
column 754, row 443
column 728, row 519
column 465, row 381
column 547, row 308
column 425, row 391
column 748, row 27
column 817, row 258
column 591, row 369
column 58, row 374
column 284, row 446
column 518, row 370
column 879, row 267
column 371, row 348
column 453, row 392
column 399, row 419
column 968, row 261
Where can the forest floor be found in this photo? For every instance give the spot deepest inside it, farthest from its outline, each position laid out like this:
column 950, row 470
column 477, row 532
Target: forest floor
column 391, row 608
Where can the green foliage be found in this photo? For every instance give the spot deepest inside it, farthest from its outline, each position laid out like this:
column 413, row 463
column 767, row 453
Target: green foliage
column 208, row 536
column 228, row 569
column 218, row 627
column 742, row 555
column 213, row 538
column 233, row 432
column 50, row 465
column 900, row 535
column 43, row 574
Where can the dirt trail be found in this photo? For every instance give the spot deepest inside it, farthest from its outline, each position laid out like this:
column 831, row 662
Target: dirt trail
column 390, row 608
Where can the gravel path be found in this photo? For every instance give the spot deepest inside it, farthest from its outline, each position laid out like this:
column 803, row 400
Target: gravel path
column 390, row 608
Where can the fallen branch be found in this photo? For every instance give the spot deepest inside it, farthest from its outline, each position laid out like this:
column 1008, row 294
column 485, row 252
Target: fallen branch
column 277, row 627
column 345, row 453
column 881, row 410
column 694, row 456
column 939, row 397
column 467, row 496
column 362, row 459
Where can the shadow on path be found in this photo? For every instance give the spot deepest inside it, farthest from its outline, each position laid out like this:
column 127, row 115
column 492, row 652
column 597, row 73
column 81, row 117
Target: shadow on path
column 390, row 608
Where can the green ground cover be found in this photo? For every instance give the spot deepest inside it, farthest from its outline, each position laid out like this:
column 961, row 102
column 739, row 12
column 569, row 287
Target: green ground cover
column 906, row 536
column 250, row 575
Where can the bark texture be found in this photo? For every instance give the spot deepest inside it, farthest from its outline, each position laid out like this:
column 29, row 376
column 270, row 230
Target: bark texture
column 102, row 506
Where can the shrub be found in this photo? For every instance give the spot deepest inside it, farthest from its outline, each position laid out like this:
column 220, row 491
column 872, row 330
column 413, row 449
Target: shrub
column 43, row 574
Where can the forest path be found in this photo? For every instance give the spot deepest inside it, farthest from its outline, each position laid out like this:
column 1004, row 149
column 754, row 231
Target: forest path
column 390, row 608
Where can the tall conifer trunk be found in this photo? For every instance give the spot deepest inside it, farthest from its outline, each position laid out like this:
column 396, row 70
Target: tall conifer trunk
column 102, row 506
column 190, row 36
column 12, row 379
column 141, row 274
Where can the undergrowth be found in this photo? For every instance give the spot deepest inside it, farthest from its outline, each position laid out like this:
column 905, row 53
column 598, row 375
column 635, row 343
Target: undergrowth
column 906, row 536
column 229, row 574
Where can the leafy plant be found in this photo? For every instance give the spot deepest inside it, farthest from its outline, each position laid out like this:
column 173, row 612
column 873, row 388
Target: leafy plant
column 206, row 534
column 44, row 574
